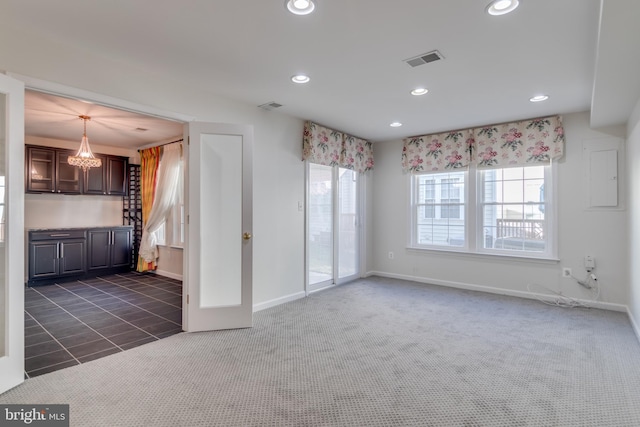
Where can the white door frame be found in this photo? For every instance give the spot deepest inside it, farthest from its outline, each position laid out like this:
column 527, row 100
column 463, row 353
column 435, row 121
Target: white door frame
column 335, row 200
column 12, row 357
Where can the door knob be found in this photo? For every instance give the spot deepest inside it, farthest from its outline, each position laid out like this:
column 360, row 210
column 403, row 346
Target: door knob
column 246, row 236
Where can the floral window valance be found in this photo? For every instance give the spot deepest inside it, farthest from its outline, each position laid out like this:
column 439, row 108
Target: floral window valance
column 450, row 150
column 516, row 143
column 328, row 147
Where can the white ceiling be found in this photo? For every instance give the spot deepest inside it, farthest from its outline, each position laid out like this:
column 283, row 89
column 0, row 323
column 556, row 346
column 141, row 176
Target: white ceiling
column 353, row 50
column 50, row 116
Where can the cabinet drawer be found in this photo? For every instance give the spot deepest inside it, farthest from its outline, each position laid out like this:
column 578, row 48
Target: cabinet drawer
column 57, row 235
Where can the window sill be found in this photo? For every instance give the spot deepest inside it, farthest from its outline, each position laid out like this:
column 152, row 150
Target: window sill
column 162, row 245
column 485, row 255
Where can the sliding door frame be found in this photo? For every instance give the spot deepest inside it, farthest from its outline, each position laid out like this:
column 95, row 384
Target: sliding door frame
column 335, row 279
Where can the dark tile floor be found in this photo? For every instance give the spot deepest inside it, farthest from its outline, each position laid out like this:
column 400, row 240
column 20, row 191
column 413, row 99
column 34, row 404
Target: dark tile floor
column 75, row 322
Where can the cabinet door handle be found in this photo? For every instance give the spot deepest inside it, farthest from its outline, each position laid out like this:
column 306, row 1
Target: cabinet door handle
column 58, row 250
column 60, row 235
column 61, row 250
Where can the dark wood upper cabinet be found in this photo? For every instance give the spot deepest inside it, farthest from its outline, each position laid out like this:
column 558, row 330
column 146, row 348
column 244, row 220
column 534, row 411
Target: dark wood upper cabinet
column 68, row 178
column 47, row 171
column 117, row 176
column 95, row 179
column 40, row 170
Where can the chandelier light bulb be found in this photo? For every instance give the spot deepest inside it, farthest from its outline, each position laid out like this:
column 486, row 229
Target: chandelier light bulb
column 84, row 158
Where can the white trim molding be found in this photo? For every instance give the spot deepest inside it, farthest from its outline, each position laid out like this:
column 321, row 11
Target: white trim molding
column 168, row 274
column 498, row 291
column 634, row 324
column 105, row 100
column 277, row 301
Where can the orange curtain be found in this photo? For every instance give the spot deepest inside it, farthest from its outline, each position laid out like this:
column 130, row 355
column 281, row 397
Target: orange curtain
column 150, row 160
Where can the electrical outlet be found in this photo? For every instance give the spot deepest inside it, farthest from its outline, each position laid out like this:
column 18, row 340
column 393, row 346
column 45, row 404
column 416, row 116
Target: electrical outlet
column 589, row 262
column 566, row 272
column 390, row 255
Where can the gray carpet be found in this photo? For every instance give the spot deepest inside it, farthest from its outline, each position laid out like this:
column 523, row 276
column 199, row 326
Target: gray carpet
column 376, row 352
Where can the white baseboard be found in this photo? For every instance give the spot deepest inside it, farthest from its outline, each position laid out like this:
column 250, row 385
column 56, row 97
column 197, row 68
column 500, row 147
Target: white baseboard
column 278, row 301
column 168, row 274
column 634, row 324
column 499, row 291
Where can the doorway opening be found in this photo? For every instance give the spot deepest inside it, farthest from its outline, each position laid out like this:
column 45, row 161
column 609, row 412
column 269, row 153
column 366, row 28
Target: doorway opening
column 70, row 322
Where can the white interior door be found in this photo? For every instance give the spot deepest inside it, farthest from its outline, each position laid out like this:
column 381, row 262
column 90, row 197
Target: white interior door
column 218, row 273
column 11, row 233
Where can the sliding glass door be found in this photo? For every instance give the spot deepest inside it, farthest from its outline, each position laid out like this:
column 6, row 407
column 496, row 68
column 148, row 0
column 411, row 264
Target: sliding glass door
column 332, row 226
column 348, row 237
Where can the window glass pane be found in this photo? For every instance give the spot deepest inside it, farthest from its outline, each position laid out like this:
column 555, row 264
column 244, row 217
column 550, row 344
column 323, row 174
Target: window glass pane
column 320, row 231
column 512, row 191
column 347, row 223
column 440, row 235
column 516, row 221
column 533, row 190
column 440, row 209
column 425, row 231
column 533, row 172
column 512, row 173
column 456, row 235
column 160, row 234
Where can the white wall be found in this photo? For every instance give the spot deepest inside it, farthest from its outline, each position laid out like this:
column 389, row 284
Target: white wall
column 601, row 233
column 279, row 174
column 633, row 163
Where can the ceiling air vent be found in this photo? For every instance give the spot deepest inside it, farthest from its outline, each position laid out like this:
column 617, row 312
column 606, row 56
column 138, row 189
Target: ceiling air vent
column 425, row 58
column 270, row 106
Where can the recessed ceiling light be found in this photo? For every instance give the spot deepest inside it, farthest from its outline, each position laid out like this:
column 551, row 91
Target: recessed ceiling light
column 300, row 78
column 300, row 7
column 501, row 7
column 539, row 98
column 419, row 91
column 395, row 124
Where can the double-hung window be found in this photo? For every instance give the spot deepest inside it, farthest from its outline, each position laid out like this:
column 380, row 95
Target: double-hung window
column 502, row 211
column 512, row 209
column 439, row 203
column 487, row 189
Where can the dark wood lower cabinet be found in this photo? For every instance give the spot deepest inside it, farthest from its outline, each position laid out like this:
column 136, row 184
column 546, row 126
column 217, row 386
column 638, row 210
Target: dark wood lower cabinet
column 109, row 248
column 72, row 254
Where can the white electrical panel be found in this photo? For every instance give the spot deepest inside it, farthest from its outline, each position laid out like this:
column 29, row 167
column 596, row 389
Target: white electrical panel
column 603, row 178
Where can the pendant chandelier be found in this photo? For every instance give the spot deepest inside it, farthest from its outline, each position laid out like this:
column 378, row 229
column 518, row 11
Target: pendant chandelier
column 84, row 158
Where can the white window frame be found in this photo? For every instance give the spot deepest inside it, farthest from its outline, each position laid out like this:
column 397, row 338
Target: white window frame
column 474, row 231
column 173, row 228
column 413, row 241
column 161, row 234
